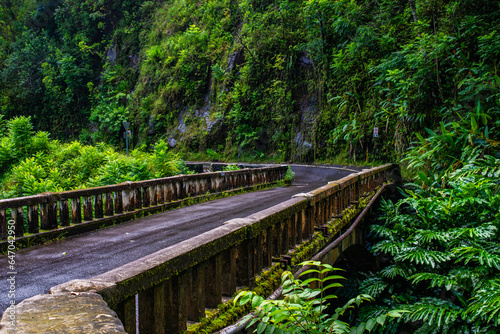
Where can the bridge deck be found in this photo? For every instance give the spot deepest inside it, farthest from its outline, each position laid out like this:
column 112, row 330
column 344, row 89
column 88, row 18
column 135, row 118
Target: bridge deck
column 81, row 257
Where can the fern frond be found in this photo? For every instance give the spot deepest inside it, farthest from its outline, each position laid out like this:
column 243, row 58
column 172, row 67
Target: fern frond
column 436, row 280
column 434, row 311
column 485, row 304
column 373, row 286
column 388, row 246
column 474, row 254
column 428, row 236
column 383, row 232
column 398, row 269
column 422, row 256
column 483, row 232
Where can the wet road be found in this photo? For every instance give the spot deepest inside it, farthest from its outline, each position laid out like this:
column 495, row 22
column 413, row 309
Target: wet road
column 81, row 257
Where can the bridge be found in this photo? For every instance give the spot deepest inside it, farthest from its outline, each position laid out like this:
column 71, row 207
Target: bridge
column 160, row 271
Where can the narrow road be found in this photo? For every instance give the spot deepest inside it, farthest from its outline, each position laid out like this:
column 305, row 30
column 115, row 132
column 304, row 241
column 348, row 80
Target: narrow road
column 81, row 257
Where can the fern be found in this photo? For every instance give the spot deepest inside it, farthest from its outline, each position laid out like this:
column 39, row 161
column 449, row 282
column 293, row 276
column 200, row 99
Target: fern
column 485, row 303
column 434, row 311
column 373, row 286
column 485, row 231
column 428, row 236
column 388, row 246
column 383, row 231
column 398, row 269
column 474, row 254
column 422, row 256
column 436, row 280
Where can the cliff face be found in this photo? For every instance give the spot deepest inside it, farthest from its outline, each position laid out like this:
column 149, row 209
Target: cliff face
column 289, row 80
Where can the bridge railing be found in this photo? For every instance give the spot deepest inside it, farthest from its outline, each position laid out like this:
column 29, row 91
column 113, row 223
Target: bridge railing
column 50, row 211
column 160, row 292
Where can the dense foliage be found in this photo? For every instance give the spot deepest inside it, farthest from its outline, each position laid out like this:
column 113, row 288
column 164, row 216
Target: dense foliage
column 297, row 80
column 440, row 243
column 32, row 163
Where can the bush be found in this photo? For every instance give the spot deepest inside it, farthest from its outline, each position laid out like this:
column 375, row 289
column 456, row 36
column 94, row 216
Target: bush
column 231, row 167
column 303, row 308
column 289, row 176
column 20, row 131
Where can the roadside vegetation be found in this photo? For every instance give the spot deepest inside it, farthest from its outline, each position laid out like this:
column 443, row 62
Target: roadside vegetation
column 439, row 245
column 32, row 163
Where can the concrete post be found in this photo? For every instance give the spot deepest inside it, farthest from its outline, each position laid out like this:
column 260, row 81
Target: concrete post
column 245, row 262
column 3, row 224
column 63, row 213
column 195, row 306
column 98, row 206
column 145, row 197
column 229, row 272
column 87, row 208
column 160, row 199
column 18, row 217
column 259, row 253
column 118, row 202
column 126, row 313
column 152, row 198
column 284, row 236
column 137, row 198
column 126, row 200
column 33, row 226
column 147, row 311
column 268, row 248
column 108, row 204
column 293, row 230
column 276, row 238
column 76, row 211
column 213, row 281
column 170, row 306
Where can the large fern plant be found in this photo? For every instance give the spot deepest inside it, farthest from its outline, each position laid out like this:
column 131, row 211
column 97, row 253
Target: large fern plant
column 441, row 243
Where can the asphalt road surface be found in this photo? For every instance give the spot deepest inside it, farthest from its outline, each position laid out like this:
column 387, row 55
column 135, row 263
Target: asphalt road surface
column 81, row 257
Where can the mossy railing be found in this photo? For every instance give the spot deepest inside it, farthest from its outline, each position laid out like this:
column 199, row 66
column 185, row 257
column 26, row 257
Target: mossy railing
column 162, row 291
column 62, row 210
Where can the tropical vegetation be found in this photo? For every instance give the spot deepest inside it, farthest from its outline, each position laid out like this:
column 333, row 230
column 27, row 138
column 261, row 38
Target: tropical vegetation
column 284, row 80
column 32, row 163
column 305, row 305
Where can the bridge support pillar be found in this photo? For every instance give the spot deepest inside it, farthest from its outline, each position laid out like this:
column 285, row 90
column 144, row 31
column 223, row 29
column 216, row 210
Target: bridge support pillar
column 213, row 282
column 196, row 293
column 229, row 272
column 245, row 262
column 170, row 306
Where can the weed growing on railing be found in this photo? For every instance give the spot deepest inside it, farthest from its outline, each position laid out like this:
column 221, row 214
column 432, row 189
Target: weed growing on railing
column 230, row 168
column 289, row 176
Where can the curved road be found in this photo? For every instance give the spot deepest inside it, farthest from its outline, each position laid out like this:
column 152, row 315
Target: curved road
column 81, row 257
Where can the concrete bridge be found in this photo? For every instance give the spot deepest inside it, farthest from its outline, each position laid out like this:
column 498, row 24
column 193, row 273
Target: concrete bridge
column 156, row 273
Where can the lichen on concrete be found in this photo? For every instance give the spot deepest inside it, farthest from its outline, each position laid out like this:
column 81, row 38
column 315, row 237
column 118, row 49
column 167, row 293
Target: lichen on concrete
column 81, row 313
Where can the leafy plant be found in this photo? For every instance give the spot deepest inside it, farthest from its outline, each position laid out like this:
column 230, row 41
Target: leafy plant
column 289, row 176
column 231, row 167
column 306, row 305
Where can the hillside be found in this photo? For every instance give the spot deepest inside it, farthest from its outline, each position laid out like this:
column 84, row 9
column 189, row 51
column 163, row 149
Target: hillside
column 284, row 80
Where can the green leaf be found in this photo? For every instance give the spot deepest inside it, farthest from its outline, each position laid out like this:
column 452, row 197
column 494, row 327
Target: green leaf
column 381, row 319
column 370, row 324
column 473, row 123
column 261, row 327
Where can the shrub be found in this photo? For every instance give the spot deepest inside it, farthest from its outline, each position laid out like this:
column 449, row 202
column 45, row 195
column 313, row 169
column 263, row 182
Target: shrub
column 304, row 308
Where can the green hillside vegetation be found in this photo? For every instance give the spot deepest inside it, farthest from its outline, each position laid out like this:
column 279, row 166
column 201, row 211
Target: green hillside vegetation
column 283, row 80
column 32, row 163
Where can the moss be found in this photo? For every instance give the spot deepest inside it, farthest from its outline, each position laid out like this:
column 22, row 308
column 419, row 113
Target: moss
column 228, row 313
